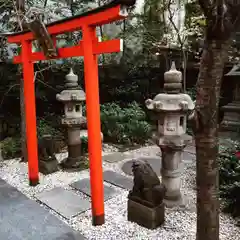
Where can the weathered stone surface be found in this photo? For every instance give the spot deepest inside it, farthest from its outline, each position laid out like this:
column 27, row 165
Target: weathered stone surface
column 154, row 161
column 145, row 200
column 73, row 97
column 48, row 167
column 83, row 185
column 64, row 202
column 170, row 110
column 147, row 188
column 188, row 153
column 176, row 200
column 114, row 157
column 118, row 180
column 75, row 164
column 46, row 150
column 24, row 219
column 147, row 217
column 230, row 123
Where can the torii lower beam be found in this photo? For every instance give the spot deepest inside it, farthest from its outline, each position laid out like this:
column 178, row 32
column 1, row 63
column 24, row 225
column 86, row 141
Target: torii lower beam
column 109, row 46
column 89, row 47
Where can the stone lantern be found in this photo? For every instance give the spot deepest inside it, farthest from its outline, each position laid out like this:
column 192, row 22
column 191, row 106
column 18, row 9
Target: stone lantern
column 230, row 124
column 73, row 97
column 170, row 110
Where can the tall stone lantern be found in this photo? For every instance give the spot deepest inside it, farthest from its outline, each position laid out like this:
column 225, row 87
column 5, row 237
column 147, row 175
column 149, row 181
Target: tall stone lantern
column 170, row 110
column 72, row 97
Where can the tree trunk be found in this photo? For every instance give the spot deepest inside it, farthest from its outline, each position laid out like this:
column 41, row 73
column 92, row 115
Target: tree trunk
column 23, row 122
column 184, row 53
column 20, row 7
column 206, row 137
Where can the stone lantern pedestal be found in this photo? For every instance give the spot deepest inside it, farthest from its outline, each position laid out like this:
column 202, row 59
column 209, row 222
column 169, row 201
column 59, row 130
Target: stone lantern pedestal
column 73, row 97
column 75, row 157
column 170, row 109
column 172, row 166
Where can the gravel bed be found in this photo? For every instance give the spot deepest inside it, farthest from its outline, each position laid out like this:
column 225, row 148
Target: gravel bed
column 16, row 174
column 180, row 222
column 178, row 225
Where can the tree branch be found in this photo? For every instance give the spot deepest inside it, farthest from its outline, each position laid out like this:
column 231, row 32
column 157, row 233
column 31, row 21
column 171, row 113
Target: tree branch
column 19, row 7
column 45, row 3
column 171, row 15
column 6, row 93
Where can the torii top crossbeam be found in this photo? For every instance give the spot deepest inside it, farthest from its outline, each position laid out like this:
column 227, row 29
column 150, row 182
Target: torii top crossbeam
column 89, row 47
column 113, row 11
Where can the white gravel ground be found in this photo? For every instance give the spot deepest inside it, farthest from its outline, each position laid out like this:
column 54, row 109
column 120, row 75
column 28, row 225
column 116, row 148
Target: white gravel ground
column 180, row 223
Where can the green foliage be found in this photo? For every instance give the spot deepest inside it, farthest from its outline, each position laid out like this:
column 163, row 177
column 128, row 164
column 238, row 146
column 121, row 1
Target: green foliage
column 124, row 125
column 192, row 93
column 193, row 10
column 45, row 128
column 229, row 176
column 195, row 24
column 84, row 163
column 153, row 21
column 11, row 147
column 84, row 144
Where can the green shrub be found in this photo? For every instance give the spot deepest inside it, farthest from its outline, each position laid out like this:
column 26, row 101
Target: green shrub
column 192, row 93
column 44, row 127
column 229, row 177
column 84, row 144
column 124, row 125
column 47, row 127
column 11, row 147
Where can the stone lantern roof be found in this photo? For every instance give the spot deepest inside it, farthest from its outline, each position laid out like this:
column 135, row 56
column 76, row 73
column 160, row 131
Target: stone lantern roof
column 73, row 92
column 172, row 100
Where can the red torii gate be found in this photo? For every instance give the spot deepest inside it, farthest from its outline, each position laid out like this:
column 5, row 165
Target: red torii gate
column 89, row 48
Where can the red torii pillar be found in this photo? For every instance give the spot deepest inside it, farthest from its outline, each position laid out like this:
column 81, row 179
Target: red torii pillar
column 89, row 48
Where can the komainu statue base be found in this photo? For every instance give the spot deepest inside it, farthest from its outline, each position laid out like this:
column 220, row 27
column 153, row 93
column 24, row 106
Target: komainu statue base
column 148, row 217
column 75, row 161
column 74, row 164
column 48, row 167
column 145, row 200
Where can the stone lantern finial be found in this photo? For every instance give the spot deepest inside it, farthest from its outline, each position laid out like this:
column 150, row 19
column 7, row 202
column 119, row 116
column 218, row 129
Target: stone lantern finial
column 173, row 66
column 71, row 80
column 172, row 80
